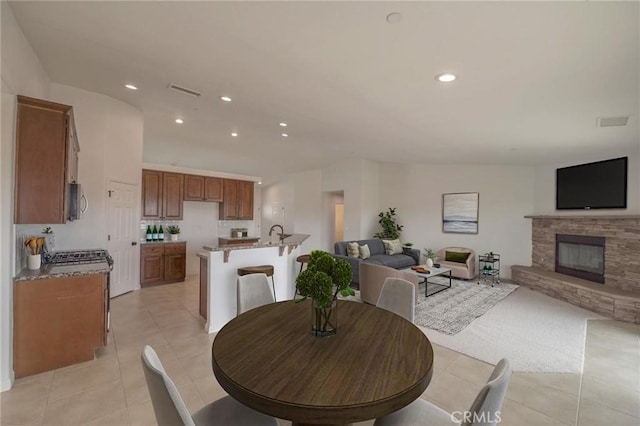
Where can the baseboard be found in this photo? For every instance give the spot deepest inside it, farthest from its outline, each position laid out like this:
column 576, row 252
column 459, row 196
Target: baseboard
column 7, row 384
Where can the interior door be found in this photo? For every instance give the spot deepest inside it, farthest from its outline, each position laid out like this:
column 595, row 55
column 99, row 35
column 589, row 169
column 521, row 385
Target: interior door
column 123, row 228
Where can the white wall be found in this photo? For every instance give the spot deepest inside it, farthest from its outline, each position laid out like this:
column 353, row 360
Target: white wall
column 506, row 196
column 545, row 187
column 198, row 228
column 22, row 74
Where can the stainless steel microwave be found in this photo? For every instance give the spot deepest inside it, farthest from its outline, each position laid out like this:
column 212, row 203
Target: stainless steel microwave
column 74, row 208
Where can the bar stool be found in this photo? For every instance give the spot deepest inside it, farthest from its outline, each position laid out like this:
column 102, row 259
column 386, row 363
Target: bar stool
column 261, row 269
column 303, row 258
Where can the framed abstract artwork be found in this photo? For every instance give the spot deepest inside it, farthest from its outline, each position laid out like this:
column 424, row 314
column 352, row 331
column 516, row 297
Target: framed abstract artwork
column 460, row 212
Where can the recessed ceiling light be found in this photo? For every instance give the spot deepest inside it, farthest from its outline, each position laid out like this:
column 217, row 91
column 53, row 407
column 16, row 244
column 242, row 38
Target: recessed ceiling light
column 259, row 182
column 284, row 135
column 446, row 77
column 130, row 87
column 283, row 124
column 179, row 120
column 234, row 134
column 225, row 98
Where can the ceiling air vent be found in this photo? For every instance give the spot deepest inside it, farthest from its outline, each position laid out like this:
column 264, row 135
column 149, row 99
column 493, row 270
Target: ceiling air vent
column 184, row 90
column 612, row 121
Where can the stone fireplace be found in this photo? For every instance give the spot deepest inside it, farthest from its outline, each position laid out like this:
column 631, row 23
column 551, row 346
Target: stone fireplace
column 580, row 256
column 589, row 261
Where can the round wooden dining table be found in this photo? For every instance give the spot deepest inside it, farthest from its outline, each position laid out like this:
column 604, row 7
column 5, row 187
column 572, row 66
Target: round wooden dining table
column 377, row 363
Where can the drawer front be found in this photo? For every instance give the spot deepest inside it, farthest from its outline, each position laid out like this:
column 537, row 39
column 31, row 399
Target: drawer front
column 147, row 250
column 175, row 248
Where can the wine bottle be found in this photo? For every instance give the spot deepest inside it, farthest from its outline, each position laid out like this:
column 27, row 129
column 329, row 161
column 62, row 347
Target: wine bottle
column 155, row 233
column 161, row 234
column 149, row 233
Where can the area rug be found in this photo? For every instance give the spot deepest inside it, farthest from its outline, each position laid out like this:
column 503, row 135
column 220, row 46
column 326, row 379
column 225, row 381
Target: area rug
column 452, row 310
column 535, row 332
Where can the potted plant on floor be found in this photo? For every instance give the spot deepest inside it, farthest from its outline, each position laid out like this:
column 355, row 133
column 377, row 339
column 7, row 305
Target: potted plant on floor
column 390, row 229
column 174, row 231
column 322, row 281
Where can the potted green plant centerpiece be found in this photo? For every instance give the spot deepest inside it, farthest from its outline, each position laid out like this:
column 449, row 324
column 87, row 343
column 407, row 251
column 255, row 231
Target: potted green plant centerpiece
column 321, row 282
column 174, row 230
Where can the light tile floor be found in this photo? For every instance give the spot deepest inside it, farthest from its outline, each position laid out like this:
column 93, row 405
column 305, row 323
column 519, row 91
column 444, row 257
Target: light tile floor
column 111, row 389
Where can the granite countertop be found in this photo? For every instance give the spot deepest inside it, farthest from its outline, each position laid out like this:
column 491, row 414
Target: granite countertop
column 292, row 240
column 161, row 242
column 59, row 271
column 238, row 238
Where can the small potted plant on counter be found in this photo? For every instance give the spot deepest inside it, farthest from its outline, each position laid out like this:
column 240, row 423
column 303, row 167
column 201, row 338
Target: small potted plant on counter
column 174, row 231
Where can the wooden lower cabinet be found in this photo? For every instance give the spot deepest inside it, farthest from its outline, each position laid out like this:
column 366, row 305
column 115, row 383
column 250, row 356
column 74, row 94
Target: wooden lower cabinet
column 162, row 263
column 58, row 322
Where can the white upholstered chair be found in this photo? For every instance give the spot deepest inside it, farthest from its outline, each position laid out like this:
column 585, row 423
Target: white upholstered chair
column 399, row 297
column 170, row 409
column 253, row 291
column 485, row 410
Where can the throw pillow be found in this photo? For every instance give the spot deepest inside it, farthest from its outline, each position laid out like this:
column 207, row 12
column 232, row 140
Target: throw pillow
column 364, row 252
column 392, row 246
column 454, row 256
column 352, row 249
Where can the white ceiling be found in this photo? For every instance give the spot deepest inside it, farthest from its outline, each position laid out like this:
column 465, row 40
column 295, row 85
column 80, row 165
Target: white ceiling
column 532, row 78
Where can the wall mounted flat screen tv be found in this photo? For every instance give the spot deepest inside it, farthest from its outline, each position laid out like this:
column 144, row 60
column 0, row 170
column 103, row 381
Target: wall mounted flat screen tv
column 599, row 185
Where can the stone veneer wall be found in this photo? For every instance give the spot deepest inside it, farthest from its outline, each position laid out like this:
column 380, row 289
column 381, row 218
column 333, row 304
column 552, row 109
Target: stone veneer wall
column 622, row 251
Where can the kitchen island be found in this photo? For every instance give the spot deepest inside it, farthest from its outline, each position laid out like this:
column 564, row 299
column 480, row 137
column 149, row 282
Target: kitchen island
column 223, row 262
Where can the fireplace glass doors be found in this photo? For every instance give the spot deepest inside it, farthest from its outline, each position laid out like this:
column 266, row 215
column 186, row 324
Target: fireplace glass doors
column 580, row 256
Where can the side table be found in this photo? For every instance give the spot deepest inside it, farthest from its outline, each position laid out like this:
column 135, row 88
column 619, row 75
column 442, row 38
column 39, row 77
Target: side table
column 489, row 266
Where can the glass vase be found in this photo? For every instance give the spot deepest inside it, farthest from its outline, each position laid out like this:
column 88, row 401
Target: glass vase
column 324, row 320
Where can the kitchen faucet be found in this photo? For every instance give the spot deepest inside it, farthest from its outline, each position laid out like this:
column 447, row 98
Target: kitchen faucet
column 281, row 229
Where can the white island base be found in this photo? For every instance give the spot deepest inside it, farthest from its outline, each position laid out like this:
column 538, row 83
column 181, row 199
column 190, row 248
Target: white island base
column 223, row 264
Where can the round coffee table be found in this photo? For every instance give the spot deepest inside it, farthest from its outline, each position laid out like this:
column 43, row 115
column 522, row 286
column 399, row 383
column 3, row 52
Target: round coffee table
column 377, row 363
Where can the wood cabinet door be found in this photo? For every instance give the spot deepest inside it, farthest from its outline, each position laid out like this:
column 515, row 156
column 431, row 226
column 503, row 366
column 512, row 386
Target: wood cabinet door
column 213, row 189
column 151, row 194
column 57, row 322
column 229, row 205
column 193, row 188
column 151, row 265
column 41, row 162
column 175, row 266
column 172, row 190
column 245, row 200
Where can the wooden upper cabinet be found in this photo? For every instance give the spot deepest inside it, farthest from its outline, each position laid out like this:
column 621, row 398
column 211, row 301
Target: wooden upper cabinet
column 162, row 195
column 245, row 200
column 193, row 188
column 151, row 194
column 42, row 143
column 202, row 188
column 172, row 187
column 229, row 206
column 238, row 200
column 213, row 189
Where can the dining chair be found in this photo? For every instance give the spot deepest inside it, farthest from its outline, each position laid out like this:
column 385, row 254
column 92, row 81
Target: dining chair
column 485, row 410
column 399, row 297
column 253, row 291
column 171, row 410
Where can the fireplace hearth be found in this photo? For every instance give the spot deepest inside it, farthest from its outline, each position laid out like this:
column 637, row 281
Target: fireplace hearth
column 580, row 256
